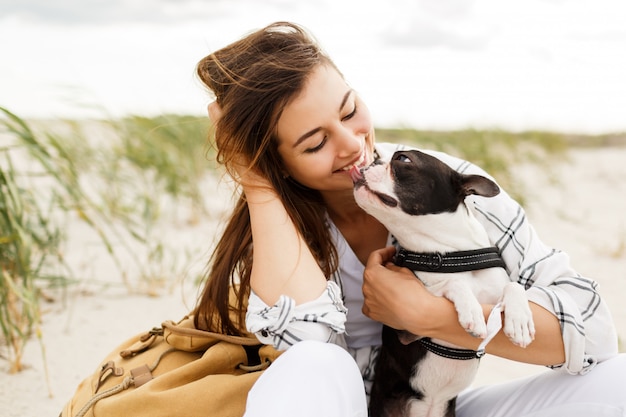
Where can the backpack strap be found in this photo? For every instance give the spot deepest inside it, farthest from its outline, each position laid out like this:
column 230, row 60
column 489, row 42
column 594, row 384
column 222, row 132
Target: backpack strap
column 184, row 336
column 144, row 342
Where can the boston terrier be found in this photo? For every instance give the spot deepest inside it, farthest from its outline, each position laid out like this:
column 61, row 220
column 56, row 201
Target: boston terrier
column 421, row 201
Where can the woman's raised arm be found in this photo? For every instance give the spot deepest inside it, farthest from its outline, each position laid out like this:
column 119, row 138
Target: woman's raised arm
column 282, row 264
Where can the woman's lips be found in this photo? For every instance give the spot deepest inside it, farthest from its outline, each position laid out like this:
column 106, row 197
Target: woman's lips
column 359, row 162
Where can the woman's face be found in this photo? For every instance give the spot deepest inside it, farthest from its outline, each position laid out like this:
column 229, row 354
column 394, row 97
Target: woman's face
column 324, row 131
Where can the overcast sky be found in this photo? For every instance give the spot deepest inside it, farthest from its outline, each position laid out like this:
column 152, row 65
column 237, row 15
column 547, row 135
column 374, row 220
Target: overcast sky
column 533, row 64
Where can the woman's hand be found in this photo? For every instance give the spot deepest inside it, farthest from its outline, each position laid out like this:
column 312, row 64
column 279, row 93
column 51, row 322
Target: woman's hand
column 215, row 112
column 393, row 295
column 239, row 166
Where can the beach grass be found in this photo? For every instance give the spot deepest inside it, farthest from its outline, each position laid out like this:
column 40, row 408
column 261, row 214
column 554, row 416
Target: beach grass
column 29, row 237
column 115, row 177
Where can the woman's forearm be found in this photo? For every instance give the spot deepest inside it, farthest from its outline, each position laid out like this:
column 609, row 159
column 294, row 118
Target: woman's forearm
column 546, row 349
column 282, row 261
column 393, row 296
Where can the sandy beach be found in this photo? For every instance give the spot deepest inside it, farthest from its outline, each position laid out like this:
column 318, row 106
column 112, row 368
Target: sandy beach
column 578, row 207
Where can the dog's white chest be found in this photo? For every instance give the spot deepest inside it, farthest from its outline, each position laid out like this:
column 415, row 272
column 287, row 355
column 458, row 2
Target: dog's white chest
column 440, row 379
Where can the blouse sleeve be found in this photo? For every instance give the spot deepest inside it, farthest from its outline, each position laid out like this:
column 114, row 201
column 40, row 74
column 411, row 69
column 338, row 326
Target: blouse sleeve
column 285, row 323
column 588, row 330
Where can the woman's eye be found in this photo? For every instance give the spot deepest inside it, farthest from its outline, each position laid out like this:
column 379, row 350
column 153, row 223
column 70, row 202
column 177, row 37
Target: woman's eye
column 318, row 147
column 351, row 115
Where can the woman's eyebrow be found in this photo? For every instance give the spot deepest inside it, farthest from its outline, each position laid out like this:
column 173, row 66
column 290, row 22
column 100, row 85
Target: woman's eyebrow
column 317, row 129
column 345, row 99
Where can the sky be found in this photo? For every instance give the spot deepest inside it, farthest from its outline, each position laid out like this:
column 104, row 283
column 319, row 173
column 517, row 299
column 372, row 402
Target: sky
column 555, row 65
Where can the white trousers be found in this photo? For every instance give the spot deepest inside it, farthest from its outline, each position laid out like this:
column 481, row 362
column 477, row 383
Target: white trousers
column 313, row 379
column 310, row 379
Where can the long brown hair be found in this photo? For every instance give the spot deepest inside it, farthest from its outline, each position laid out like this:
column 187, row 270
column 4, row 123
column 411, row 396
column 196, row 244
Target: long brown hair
column 253, row 79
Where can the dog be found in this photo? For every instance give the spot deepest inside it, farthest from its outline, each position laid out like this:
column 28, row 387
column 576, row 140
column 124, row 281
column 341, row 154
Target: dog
column 421, row 201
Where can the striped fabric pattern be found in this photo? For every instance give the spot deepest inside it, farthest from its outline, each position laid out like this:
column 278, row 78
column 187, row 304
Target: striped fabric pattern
column 285, row 323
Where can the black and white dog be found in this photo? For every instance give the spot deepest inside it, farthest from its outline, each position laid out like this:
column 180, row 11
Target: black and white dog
column 421, row 201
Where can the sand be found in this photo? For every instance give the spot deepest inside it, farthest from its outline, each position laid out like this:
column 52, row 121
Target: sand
column 578, row 208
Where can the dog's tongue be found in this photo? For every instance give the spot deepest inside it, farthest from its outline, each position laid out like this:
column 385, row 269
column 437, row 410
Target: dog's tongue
column 355, row 174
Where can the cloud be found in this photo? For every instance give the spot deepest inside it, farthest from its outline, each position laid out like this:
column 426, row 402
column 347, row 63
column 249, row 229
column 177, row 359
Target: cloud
column 421, row 63
column 71, row 12
column 447, row 23
column 448, row 9
column 422, row 33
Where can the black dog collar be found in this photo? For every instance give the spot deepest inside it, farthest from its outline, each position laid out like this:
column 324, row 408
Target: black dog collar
column 450, row 353
column 460, row 261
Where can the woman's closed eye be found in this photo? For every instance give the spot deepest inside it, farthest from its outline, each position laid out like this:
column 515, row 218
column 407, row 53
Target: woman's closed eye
column 318, row 147
column 351, row 115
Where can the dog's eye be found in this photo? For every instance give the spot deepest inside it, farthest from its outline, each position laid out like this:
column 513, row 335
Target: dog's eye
column 403, row 158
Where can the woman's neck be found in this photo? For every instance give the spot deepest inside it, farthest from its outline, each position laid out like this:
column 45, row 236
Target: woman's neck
column 342, row 207
column 360, row 230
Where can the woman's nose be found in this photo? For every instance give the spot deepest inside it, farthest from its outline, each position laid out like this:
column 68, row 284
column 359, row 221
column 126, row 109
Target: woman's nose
column 349, row 142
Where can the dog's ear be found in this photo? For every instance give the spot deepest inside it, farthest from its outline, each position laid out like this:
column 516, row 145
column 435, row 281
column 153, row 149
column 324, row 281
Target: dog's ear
column 479, row 185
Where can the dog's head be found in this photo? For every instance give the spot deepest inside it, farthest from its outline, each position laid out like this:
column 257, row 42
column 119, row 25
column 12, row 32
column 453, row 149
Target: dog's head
column 415, row 184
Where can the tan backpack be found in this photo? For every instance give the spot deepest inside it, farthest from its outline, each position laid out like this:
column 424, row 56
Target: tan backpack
column 175, row 370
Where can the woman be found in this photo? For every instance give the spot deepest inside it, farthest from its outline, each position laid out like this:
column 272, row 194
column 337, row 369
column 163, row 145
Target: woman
column 288, row 128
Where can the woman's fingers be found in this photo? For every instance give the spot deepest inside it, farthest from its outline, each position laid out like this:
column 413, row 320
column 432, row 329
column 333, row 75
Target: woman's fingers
column 215, row 112
column 381, row 256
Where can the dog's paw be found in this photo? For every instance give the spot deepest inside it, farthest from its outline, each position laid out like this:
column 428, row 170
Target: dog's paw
column 518, row 319
column 474, row 323
column 518, row 324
